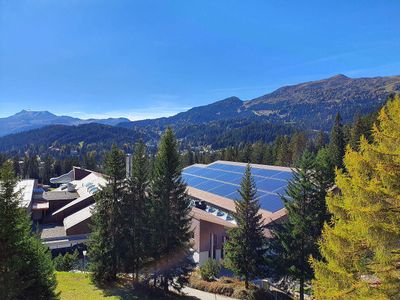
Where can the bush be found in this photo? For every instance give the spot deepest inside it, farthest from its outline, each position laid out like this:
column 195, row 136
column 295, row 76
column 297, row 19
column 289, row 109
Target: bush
column 67, row 262
column 210, row 270
column 253, row 294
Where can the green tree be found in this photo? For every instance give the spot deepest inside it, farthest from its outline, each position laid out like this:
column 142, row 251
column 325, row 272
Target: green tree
column 47, row 170
column 296, row 238
column 16, row 166
column 170, row 204
column 337, row 143
column 26, row 269
column 283, row 152
column 245, row 246
column 136, row 212
column 362, row 126
column 106, row 221
column 320, row 140
column 298, row 145
column 257, row 154
column 210, row 269
column 360, row 248
column 66, row 262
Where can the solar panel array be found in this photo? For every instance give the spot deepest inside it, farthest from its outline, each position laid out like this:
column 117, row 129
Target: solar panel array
column 224, row 179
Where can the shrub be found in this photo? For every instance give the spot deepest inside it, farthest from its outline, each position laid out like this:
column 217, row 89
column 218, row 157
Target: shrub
column 253, row 294
column 210, row 269
column 66, row 262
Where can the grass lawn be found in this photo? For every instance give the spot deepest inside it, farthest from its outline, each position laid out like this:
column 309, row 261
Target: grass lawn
column 76, row 286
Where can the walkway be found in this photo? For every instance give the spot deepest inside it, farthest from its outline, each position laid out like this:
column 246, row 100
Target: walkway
column 204, row 295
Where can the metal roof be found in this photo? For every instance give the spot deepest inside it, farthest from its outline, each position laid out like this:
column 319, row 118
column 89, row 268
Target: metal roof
column 78, row 217
column 85, row 189
column 25, row 188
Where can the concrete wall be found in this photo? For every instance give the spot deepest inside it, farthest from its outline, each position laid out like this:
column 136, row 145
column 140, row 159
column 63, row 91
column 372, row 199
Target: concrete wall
column 80, row 173
column 206, row 229
column 195, row 228
column 209, row 239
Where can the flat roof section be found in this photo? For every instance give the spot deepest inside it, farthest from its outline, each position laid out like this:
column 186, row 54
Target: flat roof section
column 223, row 179
column 59, row 195
column 52, row 231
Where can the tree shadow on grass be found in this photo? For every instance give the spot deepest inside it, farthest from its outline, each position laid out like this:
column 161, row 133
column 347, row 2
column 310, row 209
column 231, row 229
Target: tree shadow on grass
column 124, row 290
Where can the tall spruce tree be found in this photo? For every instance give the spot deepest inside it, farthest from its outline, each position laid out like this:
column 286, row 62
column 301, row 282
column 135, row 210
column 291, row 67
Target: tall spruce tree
column 26, row 269
column 361, row 251
column 104, row 251
column 170, row 204
column 337, row 143
column 296, row 238
column 245, row 246
column 136, row 213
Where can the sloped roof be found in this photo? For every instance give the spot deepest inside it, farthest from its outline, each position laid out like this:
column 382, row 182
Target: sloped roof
column 78, row 217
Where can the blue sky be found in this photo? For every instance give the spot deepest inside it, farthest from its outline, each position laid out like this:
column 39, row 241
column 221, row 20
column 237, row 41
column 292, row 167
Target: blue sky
column 148, row 58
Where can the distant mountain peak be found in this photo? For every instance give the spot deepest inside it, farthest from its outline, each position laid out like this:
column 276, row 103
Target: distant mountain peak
column 339, row 76
column 29, row 112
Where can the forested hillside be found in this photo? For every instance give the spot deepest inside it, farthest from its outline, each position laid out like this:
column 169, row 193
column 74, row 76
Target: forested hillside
column 311, row 105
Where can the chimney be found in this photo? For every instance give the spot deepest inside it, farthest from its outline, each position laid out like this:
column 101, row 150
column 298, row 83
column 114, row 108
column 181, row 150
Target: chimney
column 128, row 165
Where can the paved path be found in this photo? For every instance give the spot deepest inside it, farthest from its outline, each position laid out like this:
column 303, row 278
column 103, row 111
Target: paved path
column 204, row 295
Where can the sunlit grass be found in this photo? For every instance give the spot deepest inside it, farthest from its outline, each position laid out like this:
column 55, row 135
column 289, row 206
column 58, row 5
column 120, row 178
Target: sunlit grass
column 76, row 286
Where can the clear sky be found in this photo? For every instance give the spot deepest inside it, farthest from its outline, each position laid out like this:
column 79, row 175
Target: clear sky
column 154, row 58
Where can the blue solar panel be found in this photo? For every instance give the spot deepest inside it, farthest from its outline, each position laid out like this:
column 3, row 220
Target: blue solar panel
column 192, row 170
column 284, row 175
column 207, row 173
column 264, row 173
column 270, row 185
column 230, row 168
column 228, row 177
column 224, row 190
column 271, row 202
column 234, row 195
column 208, row 185
column 281, row 191
column 224, row 180
column 192, row 180
column 258, row 179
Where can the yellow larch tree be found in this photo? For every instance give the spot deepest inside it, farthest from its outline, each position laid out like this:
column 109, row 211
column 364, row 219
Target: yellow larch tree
column 361, row 245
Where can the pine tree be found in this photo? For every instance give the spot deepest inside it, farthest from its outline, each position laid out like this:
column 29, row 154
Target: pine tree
column 170, row 205
column 296, row 239
column 245, row 246
column 268, row 158
column 16, row 166
column 136, row 212
column 26, row 269
column 106, row 221
column 246, row 153
column 257, row 154
column 47, row 170
column 298, row 145
column 361, row 252
column 320, row 140
column 337, row 143
column 282, row 150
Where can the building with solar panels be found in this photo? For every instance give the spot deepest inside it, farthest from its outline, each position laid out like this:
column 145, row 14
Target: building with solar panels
column 213, row 189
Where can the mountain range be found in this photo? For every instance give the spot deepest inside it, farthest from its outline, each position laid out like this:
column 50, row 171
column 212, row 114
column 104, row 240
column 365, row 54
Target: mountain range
column 311, row 105
column 27, row 120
